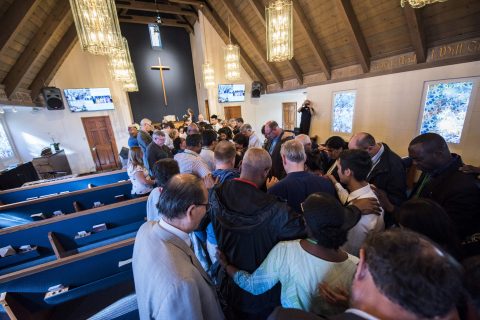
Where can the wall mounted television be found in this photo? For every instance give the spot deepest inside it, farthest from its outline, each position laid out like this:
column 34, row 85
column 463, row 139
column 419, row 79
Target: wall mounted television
column 231, row 93
column 89, row 99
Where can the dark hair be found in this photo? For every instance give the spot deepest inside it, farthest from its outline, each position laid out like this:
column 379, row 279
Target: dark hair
column 241, row 139
column 272, row 125
column 240, row 120
column 180, row 192
column 427, row 217
column 164, row 169
column 214, row 116
column 262, row 130
column 358, row 161
column 413, row 273
column 208, row 137
column 194, row 140
column 168, row 124
column 226, row 131
column 336, row 142
column 177, row 142
column 431, row 142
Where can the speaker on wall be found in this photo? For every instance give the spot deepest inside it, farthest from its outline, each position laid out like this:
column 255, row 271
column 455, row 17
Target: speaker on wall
column 53, row 98
column 257, row 88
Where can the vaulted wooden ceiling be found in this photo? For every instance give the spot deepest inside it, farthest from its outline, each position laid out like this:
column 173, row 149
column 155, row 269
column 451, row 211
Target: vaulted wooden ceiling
column 334, row 40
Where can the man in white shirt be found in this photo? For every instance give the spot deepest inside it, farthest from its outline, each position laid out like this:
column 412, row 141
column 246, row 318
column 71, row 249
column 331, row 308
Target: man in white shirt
column 253, row 139
column 215, row 123
column 190, row 161
column 170, row 282
column 209, row 141
column 353, row 168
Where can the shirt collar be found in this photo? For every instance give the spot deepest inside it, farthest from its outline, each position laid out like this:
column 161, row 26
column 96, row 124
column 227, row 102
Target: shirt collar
column 361, row 314
column 359, row 192
column 246, row 181
column 193, row 153
column 179, row 233
column 376, row 157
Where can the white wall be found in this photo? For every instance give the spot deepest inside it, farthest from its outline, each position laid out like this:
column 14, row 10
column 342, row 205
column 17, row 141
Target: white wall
column 33, row 130
column 387, row 106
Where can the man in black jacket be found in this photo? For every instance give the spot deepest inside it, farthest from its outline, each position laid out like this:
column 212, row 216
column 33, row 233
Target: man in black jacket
column 387, row 173
column 276, row 137
column 248, row 223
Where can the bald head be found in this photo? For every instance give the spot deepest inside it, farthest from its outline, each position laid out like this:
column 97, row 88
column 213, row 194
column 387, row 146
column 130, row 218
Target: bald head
column 255, row 165
column 224, row 155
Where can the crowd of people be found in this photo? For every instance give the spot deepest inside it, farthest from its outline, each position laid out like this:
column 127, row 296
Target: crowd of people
column 241, row 227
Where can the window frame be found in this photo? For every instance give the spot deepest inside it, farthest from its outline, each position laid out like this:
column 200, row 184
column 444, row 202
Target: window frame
column 5, row 163
column 333, row 111
column 470, row 106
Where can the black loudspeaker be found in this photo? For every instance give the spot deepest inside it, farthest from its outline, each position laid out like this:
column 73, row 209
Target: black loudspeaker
column 257, row 88
column 53, row 98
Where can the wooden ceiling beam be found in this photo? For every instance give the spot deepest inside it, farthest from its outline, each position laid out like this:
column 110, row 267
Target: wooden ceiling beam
column 259, row 9
column 150, row 7
column 61, row 51
column 249, row 66
column 242, row 26
column 312, row 39
column 184, row 19
column 57, row 17
column 417, row 35
column 147, row 20
column 196, row 3
column 16, row 15
column 355, row 33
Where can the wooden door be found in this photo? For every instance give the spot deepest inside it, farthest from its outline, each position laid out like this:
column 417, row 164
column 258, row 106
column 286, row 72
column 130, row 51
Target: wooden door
column 101, row 142
column 289, row 115
column 232, row 112
column 207, row 110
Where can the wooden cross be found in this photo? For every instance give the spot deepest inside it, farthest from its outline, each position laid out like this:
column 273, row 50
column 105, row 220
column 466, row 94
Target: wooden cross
column 161, row 68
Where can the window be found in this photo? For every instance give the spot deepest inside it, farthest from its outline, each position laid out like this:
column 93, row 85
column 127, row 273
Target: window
column 155, row 39
column 445, row 106
column 7, row 152
column 343, row 107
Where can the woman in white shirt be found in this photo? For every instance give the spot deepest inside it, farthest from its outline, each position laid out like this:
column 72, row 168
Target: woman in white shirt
column 138, row 174
column 301, row 265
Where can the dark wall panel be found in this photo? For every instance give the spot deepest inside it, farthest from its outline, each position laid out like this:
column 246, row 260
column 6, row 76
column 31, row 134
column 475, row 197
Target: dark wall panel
column 148, row 102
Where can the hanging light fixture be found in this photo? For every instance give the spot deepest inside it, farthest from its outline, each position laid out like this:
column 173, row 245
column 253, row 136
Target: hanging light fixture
column 97, row 25
column 231, row 54
column 279, row 29
column 207, row 68
column 418, row 3
column 131, row 84
column 120, row 63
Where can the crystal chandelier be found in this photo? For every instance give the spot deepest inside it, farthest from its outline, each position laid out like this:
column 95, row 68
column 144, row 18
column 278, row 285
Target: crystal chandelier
column 418, row 3
column 231, row 54
column 208, row 75
column 97, row 25
column 131, row 84
column 279, row 29
column 120, row 63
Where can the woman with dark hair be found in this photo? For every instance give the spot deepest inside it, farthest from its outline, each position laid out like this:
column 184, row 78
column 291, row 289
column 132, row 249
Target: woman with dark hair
column 333, row 147
column 300, row 265
column 179, row 145
column 225, row 134
column 138, row 174
column 427, row 217
column 163, row 170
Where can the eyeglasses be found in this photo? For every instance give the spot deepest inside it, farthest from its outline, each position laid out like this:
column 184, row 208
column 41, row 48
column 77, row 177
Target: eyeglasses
column 207, row 205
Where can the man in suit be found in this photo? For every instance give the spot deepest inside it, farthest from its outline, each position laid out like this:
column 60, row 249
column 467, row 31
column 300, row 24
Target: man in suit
column 170, row 283
column 401, row 275
column 276, row 137
column 144, row 138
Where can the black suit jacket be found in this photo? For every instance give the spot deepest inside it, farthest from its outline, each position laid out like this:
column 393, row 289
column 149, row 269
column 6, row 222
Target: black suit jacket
column 277, row 169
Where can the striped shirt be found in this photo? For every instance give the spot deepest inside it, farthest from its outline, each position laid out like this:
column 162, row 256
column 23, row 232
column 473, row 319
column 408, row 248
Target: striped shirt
column 190, row 162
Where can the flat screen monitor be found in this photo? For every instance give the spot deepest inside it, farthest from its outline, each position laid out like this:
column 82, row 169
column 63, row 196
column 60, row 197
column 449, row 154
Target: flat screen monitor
column 90, row 99
column 231, row 93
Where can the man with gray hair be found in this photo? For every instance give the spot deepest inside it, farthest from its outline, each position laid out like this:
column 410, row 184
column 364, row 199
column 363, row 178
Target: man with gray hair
column 144, row 138
column 298, row 184
column 157, row 150
column 248, row 223
column 170, row 283
column 253, row 139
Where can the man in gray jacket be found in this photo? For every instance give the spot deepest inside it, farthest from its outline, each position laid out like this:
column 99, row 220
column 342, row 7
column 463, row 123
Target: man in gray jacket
column 170, row 283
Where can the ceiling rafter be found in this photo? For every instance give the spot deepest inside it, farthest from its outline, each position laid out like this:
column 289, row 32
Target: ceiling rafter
column 417, row 35
column 196, row 3
column 185, row 19
column 59, row 14
column 12, row 20
column 258, row 9
column 242, row 26
column 312, row 39
column 251, row 69
column 151, row 7
column 147, row 20
column 61, row 51
column 355, row 33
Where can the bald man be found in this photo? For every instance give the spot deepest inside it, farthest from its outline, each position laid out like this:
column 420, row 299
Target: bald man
column 248, row 223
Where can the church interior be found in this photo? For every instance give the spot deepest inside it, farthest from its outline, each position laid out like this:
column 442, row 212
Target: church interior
column 69, row 92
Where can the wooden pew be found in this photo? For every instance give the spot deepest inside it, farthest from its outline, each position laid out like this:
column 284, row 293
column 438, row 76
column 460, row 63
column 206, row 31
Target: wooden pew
column 55, row 187
column 57, row 237
column 95, row 279
column 20, row 213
